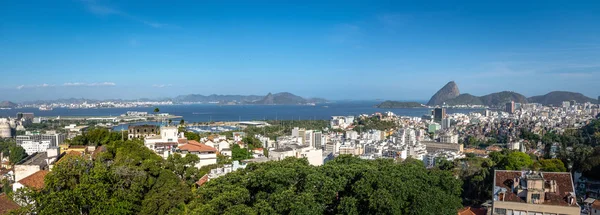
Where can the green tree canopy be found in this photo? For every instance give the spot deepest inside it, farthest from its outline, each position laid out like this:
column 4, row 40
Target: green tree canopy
column 344, row 185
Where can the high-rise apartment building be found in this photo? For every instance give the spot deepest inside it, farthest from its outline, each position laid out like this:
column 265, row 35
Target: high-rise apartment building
column 510, row 107
column 439, row 114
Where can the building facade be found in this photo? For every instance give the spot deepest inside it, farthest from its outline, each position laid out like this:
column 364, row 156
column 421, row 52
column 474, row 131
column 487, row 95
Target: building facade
column 39, row 142
column 530, row 192
column 439, row 114
column 142, row 131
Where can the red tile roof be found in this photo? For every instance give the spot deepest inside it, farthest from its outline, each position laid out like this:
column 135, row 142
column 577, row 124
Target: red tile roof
column 195, row 146
column 35, row 180
column 596, row 205
column 6, row 204
column 564, row 186
column 472, row 211
column 202, row 180
column 182, row 141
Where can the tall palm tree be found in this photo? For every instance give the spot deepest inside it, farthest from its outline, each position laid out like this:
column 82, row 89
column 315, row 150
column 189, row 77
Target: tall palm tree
column 156, row 110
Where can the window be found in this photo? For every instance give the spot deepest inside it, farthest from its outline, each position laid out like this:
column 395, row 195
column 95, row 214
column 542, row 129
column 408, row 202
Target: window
column 500, row 211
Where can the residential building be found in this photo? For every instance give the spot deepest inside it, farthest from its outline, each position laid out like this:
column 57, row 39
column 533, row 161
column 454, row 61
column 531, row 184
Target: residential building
column 439, row 114
column 220, row 171
column 207, row 154
column 39, row 142
column 25, row 116
column 314, row 156
column 433, row 127
column 35, row 162
column 449, row 138
column 472, row 211
column 341, row 122
column 34, row 181
column 166, row 142
column 510, row 107
column 142, row 131
column 531, row 192
column 446, row 123
column 434, row 147
column 332, row 147
column 238, row 136
column 351, row 135
column 319, row 139
column 309, row 139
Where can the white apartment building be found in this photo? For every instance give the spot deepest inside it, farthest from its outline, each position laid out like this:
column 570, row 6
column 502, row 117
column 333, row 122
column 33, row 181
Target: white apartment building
column 314, row 156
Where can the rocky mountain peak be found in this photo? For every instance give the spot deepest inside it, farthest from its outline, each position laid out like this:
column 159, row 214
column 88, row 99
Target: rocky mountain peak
column 449, row 91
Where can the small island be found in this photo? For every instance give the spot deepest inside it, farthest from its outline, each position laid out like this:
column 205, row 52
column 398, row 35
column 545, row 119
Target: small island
column 395, row 104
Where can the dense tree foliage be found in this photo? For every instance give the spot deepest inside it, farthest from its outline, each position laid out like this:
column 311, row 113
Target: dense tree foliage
column 552, row 165
column 284, row 127
column 127, row 179
column 363, row 124
column 97, row 137
column 511, row 160
column 9, row 149
column 346, row 185
column 239, row 153
column 252, row 143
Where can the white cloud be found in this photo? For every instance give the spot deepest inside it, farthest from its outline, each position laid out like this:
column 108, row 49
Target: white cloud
column 75, row 84
column 34, row 86
column 161, row 85
column 105, row 10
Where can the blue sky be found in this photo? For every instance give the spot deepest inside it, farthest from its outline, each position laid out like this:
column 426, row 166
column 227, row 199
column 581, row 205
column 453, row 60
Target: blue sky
column 400, row 50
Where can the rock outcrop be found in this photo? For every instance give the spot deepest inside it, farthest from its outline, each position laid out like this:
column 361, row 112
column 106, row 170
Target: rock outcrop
column 449, row 91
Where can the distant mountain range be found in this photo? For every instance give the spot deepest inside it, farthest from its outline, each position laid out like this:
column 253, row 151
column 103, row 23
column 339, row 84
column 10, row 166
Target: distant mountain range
column 450, row 95
column 7, row 104
column 286, row 98
column 557, row 97
column 270, row 99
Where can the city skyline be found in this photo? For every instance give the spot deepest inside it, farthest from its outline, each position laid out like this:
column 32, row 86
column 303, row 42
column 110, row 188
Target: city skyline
column 336, row 49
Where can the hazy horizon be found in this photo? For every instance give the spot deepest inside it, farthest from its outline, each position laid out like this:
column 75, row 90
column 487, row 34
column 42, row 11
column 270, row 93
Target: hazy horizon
column 337, row 50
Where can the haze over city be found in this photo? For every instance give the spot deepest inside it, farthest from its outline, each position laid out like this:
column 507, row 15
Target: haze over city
column 333, row 49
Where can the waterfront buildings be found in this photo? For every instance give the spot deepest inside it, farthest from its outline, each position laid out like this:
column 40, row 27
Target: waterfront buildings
column 142, row 131
column 530, row 192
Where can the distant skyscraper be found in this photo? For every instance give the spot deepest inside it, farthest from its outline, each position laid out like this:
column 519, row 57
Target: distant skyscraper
column 510, row 107
column 439, row 114
column 446, row 122
column 318, row 140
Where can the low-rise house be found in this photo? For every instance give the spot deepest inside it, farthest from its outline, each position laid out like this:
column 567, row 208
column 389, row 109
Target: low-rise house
column 472, row 211
column 34, row 163
column 207, row 154
column 34, row 181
